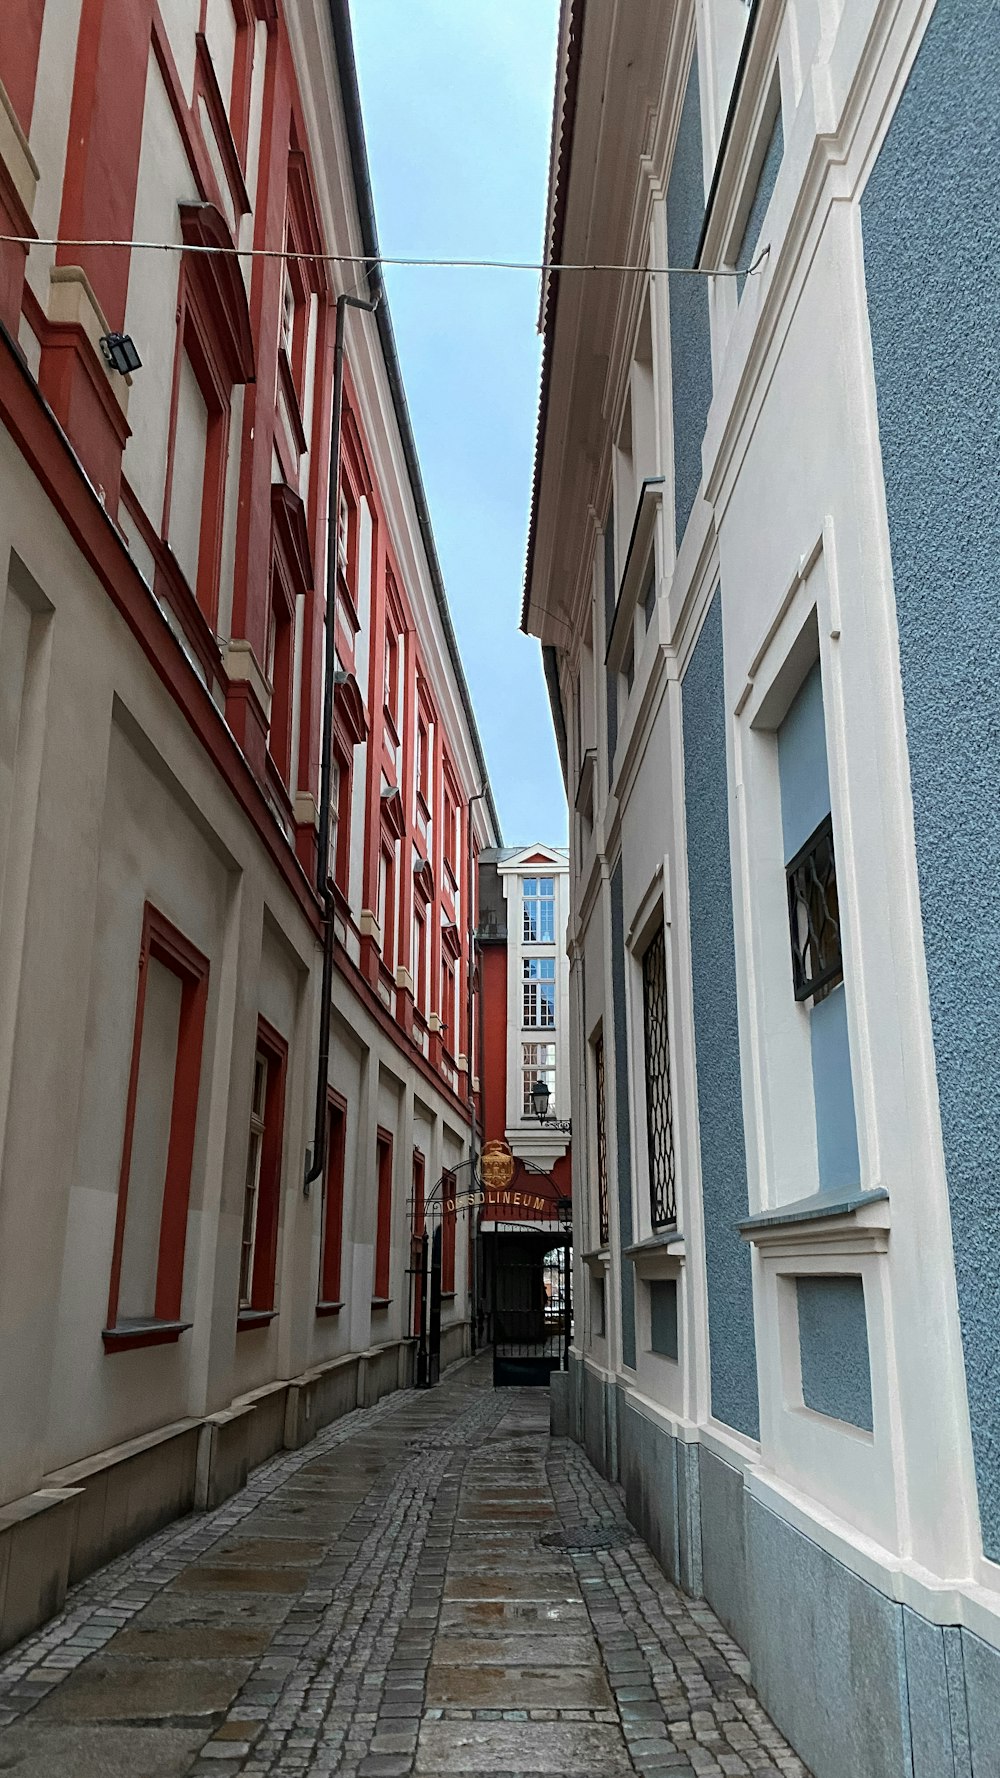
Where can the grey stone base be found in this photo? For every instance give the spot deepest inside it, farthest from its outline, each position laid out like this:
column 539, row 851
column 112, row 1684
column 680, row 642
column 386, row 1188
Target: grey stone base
column 89, row 1512
column 859, row 1684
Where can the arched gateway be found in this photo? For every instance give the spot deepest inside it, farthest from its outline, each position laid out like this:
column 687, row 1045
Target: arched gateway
column 520, row 1236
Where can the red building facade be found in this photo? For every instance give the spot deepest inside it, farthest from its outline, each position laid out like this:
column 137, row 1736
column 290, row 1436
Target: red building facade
column 173, row 544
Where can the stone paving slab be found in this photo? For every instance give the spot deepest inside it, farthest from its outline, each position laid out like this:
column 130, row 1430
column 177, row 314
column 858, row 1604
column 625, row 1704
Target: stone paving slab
column 581, row 1750
column 379, row 1604
column 36, row 1752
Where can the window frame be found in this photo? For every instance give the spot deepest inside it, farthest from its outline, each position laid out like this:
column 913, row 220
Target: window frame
column 539, row 902
column 382, row 1274
column 261, row 1308
column 531, row 998
column 331, row 1253
column 449, row 1223
column 662, row 1191
column 161, row 940
column 546, row 1071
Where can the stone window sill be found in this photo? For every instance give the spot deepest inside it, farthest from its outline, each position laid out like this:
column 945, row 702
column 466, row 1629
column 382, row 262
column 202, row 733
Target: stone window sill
column 659, row 1255
column 125, row 1336
column 254, row 1318
column 839, row 1221
column 329, row 1308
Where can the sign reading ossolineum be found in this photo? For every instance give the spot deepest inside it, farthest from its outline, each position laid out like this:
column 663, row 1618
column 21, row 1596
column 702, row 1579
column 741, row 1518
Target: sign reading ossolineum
column 494, row 1202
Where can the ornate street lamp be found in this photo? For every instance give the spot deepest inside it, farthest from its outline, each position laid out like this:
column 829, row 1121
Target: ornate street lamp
column 540, row 1097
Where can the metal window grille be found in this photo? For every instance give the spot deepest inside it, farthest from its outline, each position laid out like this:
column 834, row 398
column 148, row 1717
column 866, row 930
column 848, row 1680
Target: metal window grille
column 602, row 1145
column 814, row 916
column 659, row 1103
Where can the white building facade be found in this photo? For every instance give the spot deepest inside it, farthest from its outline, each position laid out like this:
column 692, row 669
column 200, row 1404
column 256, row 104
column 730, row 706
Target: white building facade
column 760, row 565
column 533, row 883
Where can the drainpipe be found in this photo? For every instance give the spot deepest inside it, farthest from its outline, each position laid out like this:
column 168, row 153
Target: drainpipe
column 316, row 1156
column 481, row 796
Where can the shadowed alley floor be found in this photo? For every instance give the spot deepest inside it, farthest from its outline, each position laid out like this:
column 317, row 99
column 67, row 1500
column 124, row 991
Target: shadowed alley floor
column 432, row 1586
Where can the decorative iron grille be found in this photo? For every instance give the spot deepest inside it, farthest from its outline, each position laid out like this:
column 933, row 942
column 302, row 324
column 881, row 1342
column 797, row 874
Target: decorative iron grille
column 659, row 1103
column 814, row 916
column 602, row 1146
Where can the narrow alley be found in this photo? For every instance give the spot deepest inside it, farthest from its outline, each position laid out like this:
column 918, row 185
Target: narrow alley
column 432, row 1586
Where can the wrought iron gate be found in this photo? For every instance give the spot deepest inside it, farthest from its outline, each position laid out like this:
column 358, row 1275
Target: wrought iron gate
column 529, row 1290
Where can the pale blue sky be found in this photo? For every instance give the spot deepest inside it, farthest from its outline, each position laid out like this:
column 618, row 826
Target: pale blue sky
column 457, row 100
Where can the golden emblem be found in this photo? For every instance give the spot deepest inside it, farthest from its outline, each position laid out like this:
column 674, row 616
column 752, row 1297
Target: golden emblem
column 496, row 1166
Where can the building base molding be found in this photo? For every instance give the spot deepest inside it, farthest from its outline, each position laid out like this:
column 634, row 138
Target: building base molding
column 857, row 1677
column 89, row 1512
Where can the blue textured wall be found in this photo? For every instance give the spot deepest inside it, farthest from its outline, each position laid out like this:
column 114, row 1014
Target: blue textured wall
column 833, row 1348
column 931, row 229
column 802, row 767
column 663, row 1316
column 713, row 970
column 762, row 196
column 690, row 338
column 623, row 1121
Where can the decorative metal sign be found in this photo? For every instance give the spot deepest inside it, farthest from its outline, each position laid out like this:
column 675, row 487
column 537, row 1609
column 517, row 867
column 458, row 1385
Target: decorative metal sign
column 496, row 1166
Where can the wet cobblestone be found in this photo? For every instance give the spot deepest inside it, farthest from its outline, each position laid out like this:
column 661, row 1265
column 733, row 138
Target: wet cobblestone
column 432, row 1586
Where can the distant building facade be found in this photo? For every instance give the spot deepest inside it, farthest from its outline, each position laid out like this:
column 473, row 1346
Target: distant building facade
column 762, row 567
column 174, row 1306
column 524, row 997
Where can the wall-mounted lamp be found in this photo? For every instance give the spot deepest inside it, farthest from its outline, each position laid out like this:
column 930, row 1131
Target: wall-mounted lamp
column 120, row 353
column 540, row 1096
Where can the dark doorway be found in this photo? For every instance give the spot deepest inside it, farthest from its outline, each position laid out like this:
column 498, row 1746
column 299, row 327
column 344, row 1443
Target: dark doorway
column 528, row 1281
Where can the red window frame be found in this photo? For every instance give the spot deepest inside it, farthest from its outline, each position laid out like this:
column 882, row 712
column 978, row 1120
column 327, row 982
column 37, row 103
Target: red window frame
column 279, row 666
column 387, row 859
column 420, row 961
column 383, row 1218
column 162, row 940
column 342, row 850
column 265, row 1257
column 449, row 1219
column 416, row 1237
column 332, row 1248
column 194, row 343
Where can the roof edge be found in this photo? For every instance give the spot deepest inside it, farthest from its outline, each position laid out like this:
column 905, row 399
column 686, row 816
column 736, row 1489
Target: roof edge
column 560, row 164
column 343, row 39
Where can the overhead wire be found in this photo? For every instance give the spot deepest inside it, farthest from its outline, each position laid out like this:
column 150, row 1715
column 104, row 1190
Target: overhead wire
column 384, row 259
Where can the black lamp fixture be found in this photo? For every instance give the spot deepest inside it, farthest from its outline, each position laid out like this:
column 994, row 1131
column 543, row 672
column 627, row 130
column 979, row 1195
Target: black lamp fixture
column 120, row 353
column 540, row 1098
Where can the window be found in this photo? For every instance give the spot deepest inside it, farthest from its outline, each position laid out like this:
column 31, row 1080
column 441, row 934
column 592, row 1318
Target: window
column 539, row 904
column 390, row 691
column 417, row 1241
column 602, row 1144
column 420, row 962
column 262, row 1181
column 628, row 671
column 344, row 534
column 814, row 916
column 331, row 1249
column 339, row 862
column 448, row 1006
column 659, row 1106
column 161, row 1108
column 387, row 904
column 448, row 1221
column 649, row 596
column 383, row 1223
column 538, row 1062
column 279, row 672
column 539, row 992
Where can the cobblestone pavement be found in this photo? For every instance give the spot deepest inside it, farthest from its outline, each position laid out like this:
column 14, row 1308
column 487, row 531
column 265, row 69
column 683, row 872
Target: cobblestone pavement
column 432, row 1586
